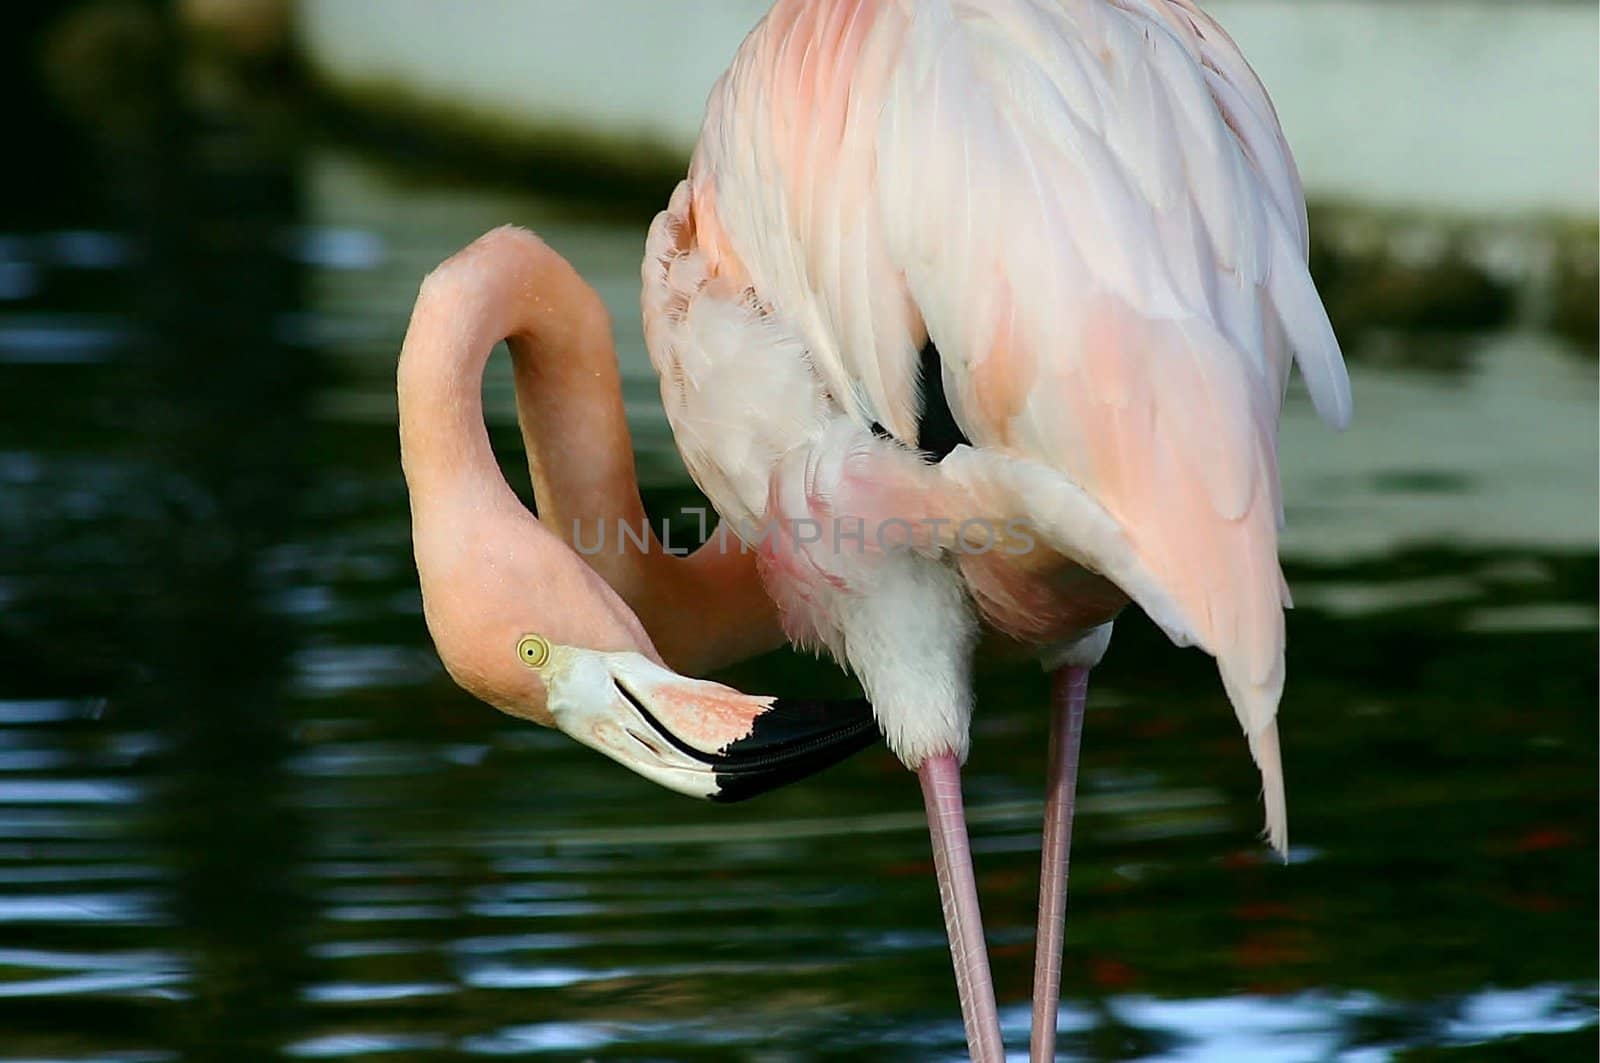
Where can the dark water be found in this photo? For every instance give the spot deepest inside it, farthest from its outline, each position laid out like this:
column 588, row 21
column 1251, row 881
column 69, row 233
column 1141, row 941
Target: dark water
column 243, row 814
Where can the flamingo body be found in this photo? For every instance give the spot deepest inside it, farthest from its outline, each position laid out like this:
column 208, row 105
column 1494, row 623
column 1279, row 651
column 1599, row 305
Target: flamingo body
column 1089, row 211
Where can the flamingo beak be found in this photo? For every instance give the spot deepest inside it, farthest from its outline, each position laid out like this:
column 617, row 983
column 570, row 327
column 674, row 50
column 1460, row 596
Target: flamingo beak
column 696, row 737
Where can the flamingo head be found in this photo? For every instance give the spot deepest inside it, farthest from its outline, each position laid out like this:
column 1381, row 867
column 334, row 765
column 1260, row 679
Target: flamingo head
column 522, row 623
column 692, row 736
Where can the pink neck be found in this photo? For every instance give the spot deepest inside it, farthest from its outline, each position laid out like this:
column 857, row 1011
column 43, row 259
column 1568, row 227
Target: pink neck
column 511, row 286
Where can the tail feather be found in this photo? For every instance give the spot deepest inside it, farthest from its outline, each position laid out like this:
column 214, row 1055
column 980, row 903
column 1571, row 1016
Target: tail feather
column 1255, row 700
column 1264, row 748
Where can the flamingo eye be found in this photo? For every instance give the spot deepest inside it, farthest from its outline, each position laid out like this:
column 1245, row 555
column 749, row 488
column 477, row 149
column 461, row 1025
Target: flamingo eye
column 533, row 651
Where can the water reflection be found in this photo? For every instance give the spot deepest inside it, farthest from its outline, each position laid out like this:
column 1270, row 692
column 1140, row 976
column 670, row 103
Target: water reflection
column 242, row 812
column 175, row 634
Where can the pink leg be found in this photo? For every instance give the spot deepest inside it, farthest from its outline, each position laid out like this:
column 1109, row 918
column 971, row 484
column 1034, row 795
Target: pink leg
column 958, row 892
column 1069, row 688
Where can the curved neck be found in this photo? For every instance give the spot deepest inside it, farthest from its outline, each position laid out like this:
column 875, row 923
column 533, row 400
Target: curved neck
column 469, row 529
column 510, row 285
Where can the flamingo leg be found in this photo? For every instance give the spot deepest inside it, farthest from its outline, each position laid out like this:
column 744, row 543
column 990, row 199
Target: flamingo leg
column 958, row 893
column 1069, row 689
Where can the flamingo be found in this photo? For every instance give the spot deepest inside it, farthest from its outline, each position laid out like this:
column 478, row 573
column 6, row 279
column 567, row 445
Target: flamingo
column 967, row 315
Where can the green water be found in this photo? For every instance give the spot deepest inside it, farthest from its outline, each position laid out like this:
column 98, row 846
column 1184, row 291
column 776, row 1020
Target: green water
column 243, row 813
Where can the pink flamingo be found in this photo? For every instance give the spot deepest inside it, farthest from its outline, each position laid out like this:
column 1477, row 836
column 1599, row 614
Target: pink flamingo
column 968, row 314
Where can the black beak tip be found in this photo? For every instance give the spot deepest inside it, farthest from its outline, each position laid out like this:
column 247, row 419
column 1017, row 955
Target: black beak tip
column 791, row 741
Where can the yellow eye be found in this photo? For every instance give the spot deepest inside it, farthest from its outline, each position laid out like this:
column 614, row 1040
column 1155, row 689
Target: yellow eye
column 533, row 650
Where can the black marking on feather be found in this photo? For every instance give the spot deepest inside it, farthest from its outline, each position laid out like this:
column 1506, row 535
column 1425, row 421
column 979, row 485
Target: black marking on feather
column 937, row 431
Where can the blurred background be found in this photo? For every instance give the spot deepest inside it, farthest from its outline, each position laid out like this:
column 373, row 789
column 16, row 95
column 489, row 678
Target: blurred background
column 245, row 815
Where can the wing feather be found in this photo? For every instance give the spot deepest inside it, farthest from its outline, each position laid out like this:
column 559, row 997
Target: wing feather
column 1112, row 284
column 788, row 149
